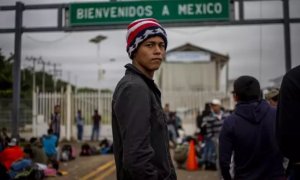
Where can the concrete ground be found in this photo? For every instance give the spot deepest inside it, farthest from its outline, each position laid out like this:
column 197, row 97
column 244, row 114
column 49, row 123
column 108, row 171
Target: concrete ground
column 102, row 167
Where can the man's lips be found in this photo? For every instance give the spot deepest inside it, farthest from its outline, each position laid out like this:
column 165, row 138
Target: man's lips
column 156, row 59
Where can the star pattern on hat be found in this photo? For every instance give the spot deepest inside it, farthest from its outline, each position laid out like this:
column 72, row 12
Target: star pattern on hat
column 140, row 39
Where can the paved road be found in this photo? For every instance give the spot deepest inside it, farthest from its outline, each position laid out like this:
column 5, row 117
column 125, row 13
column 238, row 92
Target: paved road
column 102, row 167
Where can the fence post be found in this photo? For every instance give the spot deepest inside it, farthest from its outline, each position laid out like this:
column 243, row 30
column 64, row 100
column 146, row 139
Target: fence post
column 34, row 114
column 68, row 124
column 100, row 110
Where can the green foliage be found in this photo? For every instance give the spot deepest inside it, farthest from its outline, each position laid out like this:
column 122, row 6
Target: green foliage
column 6, row 79
column 85, row 89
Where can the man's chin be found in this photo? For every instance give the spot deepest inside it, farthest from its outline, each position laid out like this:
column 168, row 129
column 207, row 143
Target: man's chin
column 154, row 68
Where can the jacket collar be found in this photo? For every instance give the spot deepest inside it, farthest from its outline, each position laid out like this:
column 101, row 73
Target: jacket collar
column 130, row 68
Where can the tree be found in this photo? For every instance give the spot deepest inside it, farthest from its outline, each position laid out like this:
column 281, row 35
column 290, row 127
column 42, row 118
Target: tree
column 6, row 78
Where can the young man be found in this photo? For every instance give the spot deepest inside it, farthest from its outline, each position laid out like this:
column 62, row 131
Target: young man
column 80, row 124
column 288, row 121
column 141, row 144
column 249, row 133
column 55, row 122
column 212, row 124
column 96, row 126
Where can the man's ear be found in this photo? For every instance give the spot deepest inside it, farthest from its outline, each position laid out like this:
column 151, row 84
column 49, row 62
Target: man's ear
column 235, row 97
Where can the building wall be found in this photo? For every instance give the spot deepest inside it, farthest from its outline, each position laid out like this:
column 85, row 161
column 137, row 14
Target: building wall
column 187, row 76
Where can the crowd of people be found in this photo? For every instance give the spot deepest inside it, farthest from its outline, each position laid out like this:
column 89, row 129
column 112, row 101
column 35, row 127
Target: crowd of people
column 39, row 157
column 80, row 122
column 33, row 159
column 243, row 143
column 249, row 142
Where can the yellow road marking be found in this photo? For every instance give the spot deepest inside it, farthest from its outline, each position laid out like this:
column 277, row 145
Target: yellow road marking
column 99, row 169
column 106, row 173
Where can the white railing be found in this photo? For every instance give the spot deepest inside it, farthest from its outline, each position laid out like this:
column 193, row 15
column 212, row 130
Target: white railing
column 193, row 100
column 43, row 106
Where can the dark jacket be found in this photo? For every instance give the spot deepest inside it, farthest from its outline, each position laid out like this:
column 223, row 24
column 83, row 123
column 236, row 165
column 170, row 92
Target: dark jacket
column 250, row 133
column 288, row 121
column 141, row 144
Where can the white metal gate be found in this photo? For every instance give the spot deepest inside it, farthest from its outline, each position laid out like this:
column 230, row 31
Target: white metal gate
column 70, row 102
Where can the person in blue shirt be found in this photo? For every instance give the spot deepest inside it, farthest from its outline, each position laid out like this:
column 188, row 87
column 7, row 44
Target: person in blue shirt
column 80, row 124
column 49, row 144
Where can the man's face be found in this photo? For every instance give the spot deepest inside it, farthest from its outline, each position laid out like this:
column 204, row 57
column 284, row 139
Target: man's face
column 150, row 54
column 215, row 108
column 272, row 103
column 57, row 109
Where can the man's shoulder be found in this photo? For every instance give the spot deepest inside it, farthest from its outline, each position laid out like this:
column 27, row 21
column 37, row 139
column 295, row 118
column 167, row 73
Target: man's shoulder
column 130, row 82
column 209, row 118
column 230, row 118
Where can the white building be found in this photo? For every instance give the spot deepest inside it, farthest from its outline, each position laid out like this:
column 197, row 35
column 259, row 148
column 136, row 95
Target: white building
column 191, row 76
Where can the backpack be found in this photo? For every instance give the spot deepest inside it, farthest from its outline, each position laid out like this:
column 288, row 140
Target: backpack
column 24, row 169
column 86, row 150
column 67, row 153
column 180, row 153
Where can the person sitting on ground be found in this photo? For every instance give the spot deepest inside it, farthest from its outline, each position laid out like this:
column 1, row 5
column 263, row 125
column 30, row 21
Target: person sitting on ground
column 49, row 144
column 11, row 154
column 39, row 155
column 106, row 146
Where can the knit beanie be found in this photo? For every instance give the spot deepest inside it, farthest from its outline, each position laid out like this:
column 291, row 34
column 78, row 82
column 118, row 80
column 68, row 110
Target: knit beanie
column 140, row 30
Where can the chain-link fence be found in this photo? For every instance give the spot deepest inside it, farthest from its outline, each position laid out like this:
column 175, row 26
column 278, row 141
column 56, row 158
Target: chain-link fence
column 25, row 120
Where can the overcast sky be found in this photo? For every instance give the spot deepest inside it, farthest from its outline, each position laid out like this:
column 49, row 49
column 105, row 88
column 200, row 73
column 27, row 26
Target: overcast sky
column 248, row 46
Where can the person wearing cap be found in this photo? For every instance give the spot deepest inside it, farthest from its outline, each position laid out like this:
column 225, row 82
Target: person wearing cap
column 11, row 153
column 248, row 135
column 288, row 121
column 140, row 135
column 272, row 97
column 212, row 124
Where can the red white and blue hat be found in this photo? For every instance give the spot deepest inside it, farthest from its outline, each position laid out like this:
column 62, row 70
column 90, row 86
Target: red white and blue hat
column 142, row 29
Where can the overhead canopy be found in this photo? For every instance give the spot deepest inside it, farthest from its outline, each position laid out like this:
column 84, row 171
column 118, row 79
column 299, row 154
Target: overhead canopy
column 191, row 53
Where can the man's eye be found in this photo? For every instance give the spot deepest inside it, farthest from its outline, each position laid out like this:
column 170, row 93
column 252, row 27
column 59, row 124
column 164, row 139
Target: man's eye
column 162, row 45
column 149, row 45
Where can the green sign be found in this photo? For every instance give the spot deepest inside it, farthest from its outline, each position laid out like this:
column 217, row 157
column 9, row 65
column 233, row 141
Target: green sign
column 109, row 13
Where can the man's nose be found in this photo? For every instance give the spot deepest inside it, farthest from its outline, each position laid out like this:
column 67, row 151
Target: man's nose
column 158, row 49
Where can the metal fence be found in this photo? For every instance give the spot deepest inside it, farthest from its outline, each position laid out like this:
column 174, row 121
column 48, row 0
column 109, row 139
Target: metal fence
column 86, row 102
column 42, row 105
column 193, row 100
column 6, row 113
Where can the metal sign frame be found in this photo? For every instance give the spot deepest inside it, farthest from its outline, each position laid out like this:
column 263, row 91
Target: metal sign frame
column 110, row 13
column 62, row 25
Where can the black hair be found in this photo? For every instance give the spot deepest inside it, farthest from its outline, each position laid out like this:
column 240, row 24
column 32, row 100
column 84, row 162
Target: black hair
column 33, row 140
column 50, row 131
column 247, row 88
